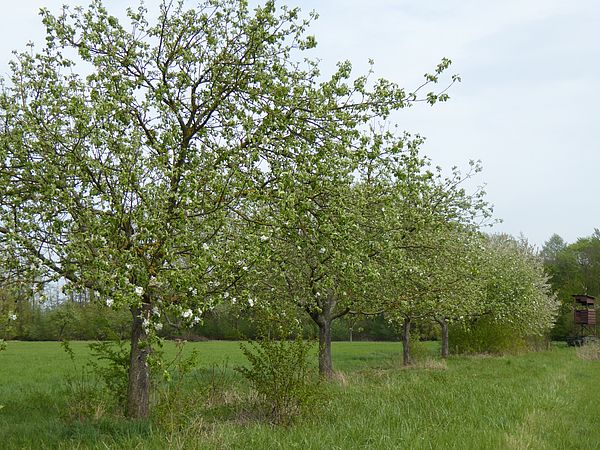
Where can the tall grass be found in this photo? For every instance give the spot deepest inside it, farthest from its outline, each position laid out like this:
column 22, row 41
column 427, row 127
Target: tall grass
column 544, row 400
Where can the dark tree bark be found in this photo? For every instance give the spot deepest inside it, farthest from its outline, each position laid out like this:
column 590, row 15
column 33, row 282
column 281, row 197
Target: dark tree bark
column 325, row 361
column 323, row 319
column 406, row 342
column 138, row 393
column 445, row 342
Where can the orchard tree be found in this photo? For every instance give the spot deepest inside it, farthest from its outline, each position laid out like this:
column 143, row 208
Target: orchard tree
column 132, row 153
column 444, row 283
column 428, row 263
column 323, row 215
column 517, row 291
column 316, row 259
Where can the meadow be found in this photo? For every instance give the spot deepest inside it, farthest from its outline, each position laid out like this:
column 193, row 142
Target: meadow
column 543, row 400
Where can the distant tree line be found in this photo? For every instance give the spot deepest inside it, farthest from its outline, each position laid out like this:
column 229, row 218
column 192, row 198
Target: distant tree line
column 572, row 269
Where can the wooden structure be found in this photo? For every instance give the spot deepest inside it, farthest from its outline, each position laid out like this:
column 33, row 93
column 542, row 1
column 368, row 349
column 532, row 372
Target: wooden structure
column 584, row 319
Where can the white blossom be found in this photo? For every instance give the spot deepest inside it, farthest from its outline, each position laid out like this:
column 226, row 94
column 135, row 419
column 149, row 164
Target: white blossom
column 322, row 250
column 205, row 246
column 109, row 302
column 12, row 316
column 158, row 326
column 156, row 311
column 139, row 290
column 225, row 294
column 146, row 325
column 186, row 314
column 251, row 302
column 264, row 238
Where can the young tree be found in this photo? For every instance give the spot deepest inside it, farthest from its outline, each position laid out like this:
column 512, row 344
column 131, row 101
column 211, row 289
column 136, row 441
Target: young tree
column 315, row 256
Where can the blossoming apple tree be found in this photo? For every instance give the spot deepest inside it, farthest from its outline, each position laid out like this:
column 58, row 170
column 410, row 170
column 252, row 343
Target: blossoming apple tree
column 131, row 153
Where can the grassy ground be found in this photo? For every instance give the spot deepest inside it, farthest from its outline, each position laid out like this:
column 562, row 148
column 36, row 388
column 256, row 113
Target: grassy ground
column 545, row 400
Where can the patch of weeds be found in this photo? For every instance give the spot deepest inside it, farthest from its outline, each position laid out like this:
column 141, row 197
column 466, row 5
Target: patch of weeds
column 431, row 364
column 589, row 351
column 341, row 378
column 87, row 400
column 418, row 350
column 218, row 385
column 176, row 404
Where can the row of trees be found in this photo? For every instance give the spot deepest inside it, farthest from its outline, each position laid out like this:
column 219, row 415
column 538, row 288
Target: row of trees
column 172, row 167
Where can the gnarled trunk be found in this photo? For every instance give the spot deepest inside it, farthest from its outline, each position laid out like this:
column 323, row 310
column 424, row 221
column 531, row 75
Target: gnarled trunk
column 445, row 342
column 138, row 392
column 406, row 342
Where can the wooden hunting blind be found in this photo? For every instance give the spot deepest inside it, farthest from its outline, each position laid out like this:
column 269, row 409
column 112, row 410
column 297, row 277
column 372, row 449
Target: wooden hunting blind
column 584, row 319
column 584, row 310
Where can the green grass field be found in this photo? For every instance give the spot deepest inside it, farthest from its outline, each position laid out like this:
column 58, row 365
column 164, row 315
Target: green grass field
column 545, row 400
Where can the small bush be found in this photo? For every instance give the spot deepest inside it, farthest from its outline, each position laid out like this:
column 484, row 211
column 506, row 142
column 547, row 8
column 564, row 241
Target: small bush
column 485, row 335
column 418, row 349
column 282, row 377
column 112, row 368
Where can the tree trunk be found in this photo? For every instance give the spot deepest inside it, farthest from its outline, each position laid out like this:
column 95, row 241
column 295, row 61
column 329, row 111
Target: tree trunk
column 323, row 319
column 138, row 392
column 350, row 334
column 406, row 342
column 445, row 343
column 325, row 361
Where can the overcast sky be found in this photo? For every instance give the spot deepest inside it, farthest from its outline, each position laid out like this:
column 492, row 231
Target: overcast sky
column 527, row 105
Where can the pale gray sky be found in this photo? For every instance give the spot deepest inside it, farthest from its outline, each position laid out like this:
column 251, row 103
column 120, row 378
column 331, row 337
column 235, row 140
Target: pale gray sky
column 526, row 107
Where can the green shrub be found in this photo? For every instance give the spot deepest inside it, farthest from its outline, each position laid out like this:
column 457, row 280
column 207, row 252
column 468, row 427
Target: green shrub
column 418, row 349
column 486, row 335
column 112, row 367
column 282, row 377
